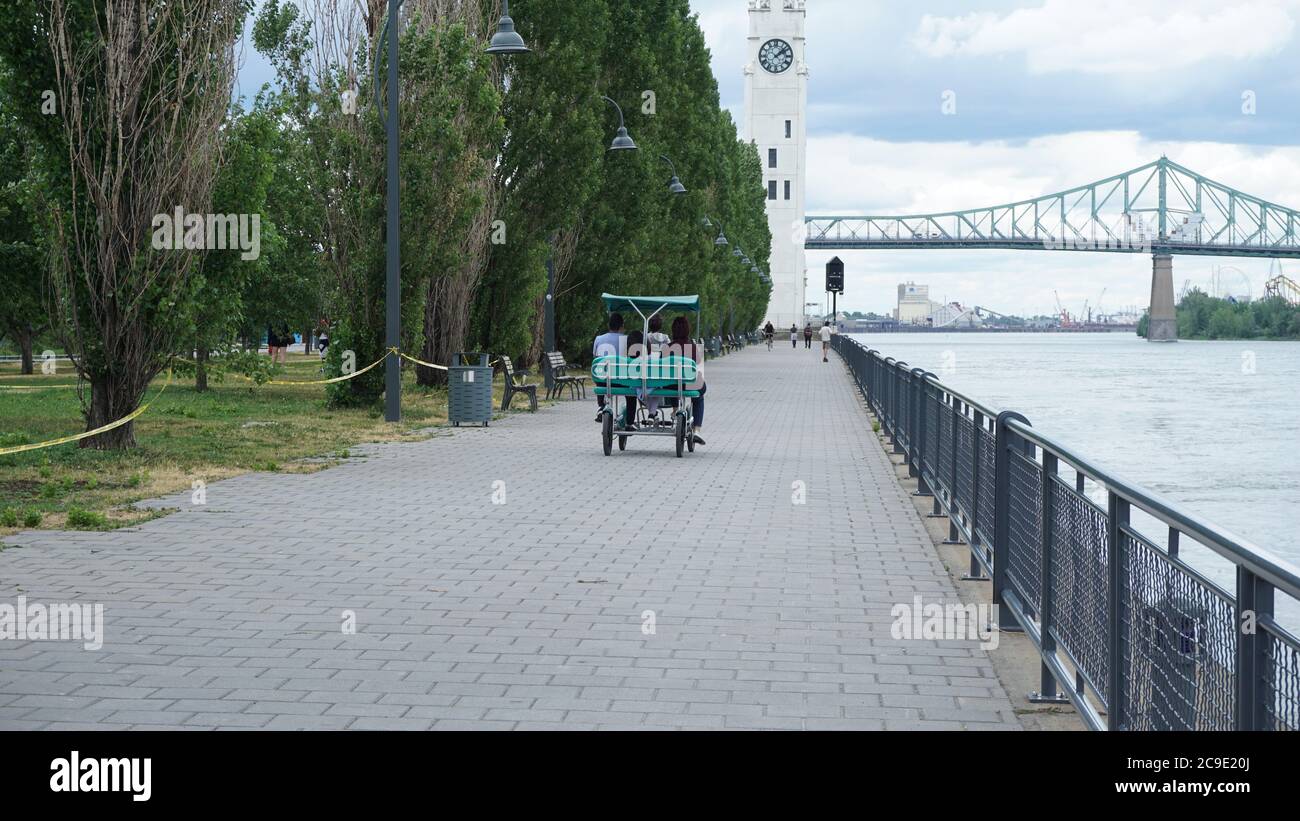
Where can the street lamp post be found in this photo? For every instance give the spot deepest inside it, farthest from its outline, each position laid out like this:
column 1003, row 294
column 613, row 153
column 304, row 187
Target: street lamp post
column 504, row 42
column 622, row 142
column 393, row 284
column 548, row 310
column 675, row 184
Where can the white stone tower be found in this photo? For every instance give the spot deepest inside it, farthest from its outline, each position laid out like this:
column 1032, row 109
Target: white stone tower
column 776, row 108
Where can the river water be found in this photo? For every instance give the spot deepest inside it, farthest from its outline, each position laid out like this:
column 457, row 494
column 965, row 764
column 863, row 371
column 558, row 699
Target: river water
column 1214, row 426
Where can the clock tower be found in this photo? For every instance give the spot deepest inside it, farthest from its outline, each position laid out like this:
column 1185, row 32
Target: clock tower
column 776, row 107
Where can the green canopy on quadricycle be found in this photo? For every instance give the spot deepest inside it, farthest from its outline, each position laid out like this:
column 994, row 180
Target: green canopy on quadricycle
column 648, row 306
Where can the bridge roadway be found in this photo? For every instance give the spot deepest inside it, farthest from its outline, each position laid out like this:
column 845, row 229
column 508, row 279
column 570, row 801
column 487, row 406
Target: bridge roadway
column 532, row 613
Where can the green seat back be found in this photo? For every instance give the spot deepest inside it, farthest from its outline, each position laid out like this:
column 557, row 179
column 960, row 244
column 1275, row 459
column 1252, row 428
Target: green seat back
column 653, row 372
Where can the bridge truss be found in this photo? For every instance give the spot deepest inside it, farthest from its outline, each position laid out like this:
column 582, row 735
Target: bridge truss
column 1161, row 207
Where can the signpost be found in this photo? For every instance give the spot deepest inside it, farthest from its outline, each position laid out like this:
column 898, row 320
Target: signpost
column 835, row 285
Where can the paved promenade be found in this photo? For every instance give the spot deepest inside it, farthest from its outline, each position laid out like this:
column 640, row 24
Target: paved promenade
column 515, row 577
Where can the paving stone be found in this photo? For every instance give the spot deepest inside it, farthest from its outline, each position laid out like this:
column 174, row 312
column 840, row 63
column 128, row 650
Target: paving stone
column 771, row 585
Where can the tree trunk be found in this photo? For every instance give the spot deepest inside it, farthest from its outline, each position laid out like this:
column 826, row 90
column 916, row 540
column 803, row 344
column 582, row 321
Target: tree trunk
column 430, row 377
column 201, row 369
column 306, row 339
column 534, row 352
column 25, row 349
column 111, row 398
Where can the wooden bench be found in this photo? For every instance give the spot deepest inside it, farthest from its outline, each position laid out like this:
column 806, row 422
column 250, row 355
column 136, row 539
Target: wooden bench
column 561, row 378
column 513, row 387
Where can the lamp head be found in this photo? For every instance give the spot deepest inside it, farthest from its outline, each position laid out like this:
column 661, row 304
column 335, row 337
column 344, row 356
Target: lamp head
column 622, row 142
column 506, row 40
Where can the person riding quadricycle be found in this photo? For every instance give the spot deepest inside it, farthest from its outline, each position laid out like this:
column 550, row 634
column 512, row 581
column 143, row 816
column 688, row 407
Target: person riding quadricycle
column 635, row 374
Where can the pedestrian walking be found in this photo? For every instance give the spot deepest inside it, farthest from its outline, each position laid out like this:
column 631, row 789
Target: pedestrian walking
column 807, row 335
column 323, row 336
column 794, row 336
column 284, row 338
column 825, row 333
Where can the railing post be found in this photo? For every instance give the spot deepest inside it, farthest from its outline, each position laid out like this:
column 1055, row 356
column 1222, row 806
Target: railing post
column 894, row 388
column 1254, row 695
column 917, row 440
column 977, row 451
column 1048, row 693
column 954, row 535
column 1002, row 518
column 869, row 388
column 1117, row 516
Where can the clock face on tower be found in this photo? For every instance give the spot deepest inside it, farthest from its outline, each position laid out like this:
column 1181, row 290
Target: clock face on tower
column 776, row 56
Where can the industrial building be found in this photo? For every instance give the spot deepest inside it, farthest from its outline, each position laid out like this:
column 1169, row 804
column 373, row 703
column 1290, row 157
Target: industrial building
column 914, row 305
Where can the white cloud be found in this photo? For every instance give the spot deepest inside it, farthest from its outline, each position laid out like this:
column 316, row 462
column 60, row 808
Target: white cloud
column 1116, row 36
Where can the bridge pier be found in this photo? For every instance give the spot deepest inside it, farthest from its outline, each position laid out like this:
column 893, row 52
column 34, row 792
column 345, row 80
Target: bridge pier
column 1162, row 320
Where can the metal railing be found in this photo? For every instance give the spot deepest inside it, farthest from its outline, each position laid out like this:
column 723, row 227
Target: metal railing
column 1140, row 638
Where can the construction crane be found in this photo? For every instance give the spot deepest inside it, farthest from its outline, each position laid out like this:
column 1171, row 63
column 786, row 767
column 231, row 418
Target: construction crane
column 1060, row 309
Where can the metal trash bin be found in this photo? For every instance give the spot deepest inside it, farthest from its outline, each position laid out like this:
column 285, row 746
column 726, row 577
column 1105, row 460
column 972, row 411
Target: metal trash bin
column 469, row 389
column 1178, row 649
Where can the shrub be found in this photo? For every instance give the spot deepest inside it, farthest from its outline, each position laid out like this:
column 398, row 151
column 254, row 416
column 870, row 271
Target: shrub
column 8, row 440
column 8, row 517
column 32, row 518
column 86, row 519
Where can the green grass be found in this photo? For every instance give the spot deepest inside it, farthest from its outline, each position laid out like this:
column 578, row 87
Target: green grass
column 185, row 436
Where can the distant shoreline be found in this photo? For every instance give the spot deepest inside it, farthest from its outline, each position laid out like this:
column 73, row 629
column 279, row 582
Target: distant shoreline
column 917, row 329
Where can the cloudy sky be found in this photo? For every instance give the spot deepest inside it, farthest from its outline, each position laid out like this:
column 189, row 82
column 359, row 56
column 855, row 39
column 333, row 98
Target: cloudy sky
column 1049, row 94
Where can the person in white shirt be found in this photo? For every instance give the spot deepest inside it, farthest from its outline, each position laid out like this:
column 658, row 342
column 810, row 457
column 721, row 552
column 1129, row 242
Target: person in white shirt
column 825, row 334
column 611, row 343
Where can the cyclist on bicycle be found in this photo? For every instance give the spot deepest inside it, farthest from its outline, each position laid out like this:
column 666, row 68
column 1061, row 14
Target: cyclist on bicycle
column 769, row 333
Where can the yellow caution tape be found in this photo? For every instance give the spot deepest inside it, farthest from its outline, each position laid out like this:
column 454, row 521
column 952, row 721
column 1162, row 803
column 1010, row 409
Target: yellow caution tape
column 78, row 437
column 343, row 378
column 145, row 407
column 410, row 358
column 36, row 387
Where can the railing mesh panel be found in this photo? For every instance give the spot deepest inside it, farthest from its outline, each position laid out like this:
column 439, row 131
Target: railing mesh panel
column 1026, row 531
column 930, row 408
column 903, row 390
column 1080, row 556
column 987, row 487
column 1181, row 645
column 1282, row 674
column 964, row 444
column 945, row 446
